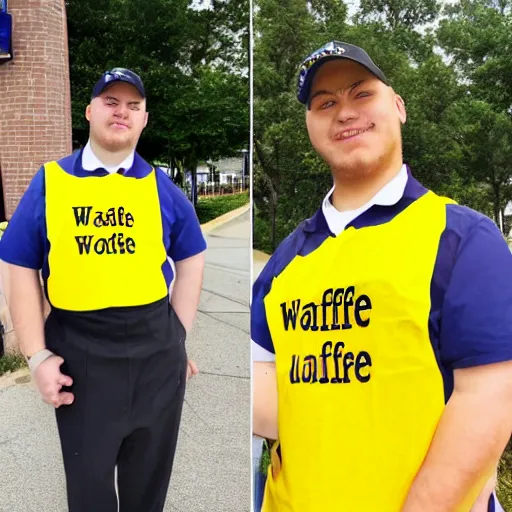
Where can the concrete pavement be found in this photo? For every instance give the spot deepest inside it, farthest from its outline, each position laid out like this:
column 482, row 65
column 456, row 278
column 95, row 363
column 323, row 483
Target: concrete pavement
column 213, row 463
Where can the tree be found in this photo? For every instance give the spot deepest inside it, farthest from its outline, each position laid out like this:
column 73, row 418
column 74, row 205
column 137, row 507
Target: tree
column 197, row 86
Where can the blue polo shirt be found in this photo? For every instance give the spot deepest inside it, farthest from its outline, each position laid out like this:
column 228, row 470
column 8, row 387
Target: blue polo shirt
column 25, row 241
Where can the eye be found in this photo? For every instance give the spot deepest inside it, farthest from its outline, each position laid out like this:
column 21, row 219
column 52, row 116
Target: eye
column 134, row 107
column 362, row 94
column 326, row 104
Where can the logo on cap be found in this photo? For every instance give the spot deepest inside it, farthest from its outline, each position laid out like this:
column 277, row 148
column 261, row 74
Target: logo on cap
column 337, row 47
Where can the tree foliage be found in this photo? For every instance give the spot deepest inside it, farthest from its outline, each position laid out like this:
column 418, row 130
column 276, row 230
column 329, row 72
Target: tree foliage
column 194, row 64
column 452, row 67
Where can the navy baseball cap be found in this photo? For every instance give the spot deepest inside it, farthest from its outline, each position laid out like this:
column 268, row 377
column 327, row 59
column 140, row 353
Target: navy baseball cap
column 331, row 51
column 118, row 75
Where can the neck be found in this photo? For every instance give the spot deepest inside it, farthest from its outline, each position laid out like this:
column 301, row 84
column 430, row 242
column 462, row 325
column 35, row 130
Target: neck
column 353, row 192
column 109, row 158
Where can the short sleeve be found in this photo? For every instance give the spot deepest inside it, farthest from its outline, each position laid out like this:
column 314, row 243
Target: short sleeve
column 260, row 332
column 186, row 237
column 24, row 240
column 476, row 318
column 260, row 354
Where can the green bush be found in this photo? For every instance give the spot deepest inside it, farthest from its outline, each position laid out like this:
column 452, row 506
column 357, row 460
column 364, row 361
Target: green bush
column 11, row 363
column 209, row 208
column 504, row 487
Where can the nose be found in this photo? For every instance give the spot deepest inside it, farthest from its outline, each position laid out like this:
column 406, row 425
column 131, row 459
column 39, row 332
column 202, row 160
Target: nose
column 346, row 111
column 121, row 111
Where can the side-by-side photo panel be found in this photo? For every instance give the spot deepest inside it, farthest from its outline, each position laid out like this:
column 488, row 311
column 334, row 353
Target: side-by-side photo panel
column 381, row 308
column 125, row 256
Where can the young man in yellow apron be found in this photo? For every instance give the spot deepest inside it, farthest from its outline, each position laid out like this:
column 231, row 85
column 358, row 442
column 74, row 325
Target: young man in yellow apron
column 382, row 326
column 103, row 226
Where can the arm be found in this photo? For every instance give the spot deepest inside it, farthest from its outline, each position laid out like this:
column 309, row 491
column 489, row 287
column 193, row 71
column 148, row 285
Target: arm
column 22, row 247
column 187, row 289
column 264, row 400
column 460, row 458
column 186, row 247
column 475, row 344
column 264, row 379
column 25, row 301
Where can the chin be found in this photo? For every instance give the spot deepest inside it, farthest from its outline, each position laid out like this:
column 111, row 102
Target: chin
column 355, row 166
column 116, row 144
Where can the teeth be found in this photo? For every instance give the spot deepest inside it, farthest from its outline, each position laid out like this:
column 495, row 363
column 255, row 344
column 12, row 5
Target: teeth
column 351, row 133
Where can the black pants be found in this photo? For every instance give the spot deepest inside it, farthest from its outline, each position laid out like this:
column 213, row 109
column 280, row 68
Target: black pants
column 129, row 371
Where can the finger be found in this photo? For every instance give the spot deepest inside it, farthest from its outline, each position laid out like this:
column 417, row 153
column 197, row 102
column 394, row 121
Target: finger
column 66, row 398
column 53, row 400
column 193, row 367
column 49, row 394
column 65, row 380
column 46, row 399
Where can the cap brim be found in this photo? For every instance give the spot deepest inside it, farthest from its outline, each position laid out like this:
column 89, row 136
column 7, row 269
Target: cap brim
column 306, row 87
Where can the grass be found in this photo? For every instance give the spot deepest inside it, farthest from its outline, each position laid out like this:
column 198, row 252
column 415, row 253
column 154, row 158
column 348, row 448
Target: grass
column 209, row 208
column 11, row 363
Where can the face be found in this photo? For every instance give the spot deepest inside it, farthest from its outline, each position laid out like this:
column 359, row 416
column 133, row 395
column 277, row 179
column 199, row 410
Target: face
column 117, row 117
column 354, row 120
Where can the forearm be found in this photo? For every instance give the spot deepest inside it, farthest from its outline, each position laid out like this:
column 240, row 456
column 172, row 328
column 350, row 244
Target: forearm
column 265, row 400
column 187, row 289
column 25, row 301
column 470, row 439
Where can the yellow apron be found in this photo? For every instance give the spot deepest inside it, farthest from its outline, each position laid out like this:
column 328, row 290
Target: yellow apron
column 106, row 246
column 360, row 390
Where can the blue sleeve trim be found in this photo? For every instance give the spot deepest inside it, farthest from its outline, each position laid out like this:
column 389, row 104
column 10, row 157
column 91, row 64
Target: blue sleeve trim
column 304, row 240
column 260, row 333
column 24, row 242
column 183, row 237
column 470, row 321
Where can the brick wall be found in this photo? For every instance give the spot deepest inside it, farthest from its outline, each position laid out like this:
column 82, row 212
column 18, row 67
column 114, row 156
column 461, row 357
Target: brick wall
column 35, row 105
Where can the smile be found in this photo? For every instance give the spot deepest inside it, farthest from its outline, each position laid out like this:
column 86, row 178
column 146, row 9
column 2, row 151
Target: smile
column 349, row 134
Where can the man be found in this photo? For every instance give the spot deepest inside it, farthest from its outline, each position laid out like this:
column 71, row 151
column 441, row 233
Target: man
column 381, row 325
column 103, row 225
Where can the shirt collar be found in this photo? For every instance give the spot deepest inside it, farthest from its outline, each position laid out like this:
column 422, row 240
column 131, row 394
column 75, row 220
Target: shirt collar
column 90, row 162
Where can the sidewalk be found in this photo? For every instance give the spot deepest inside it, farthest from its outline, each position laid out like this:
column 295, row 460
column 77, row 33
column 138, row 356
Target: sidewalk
column 212, row 465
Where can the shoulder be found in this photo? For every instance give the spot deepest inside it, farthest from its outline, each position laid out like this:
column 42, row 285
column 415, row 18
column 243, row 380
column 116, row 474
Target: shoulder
column 170, row 194
column 462, row 220
column 68, row 162
column 166, row 183
column 471, row 250
column 284, row 254
column 36, row 188
column 466, row 229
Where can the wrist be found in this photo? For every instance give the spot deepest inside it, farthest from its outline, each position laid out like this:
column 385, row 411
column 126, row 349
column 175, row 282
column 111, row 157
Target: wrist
column 37, row 358
column 33, row 351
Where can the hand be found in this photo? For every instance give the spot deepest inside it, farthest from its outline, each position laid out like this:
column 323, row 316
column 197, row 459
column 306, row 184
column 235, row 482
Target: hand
column 191, row 369
column 49, row 381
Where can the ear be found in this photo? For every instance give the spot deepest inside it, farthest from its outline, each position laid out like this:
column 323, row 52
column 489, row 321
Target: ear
column 146, row 119
column 400, row 105
column 88, row 112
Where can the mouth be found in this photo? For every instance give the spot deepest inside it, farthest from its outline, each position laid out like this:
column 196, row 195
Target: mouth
column 353, row 133
column 120, row 126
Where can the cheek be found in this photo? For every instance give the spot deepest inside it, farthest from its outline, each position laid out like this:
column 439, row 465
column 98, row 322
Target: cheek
column 318, row 128
column 100, row 119
column 138, row 122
